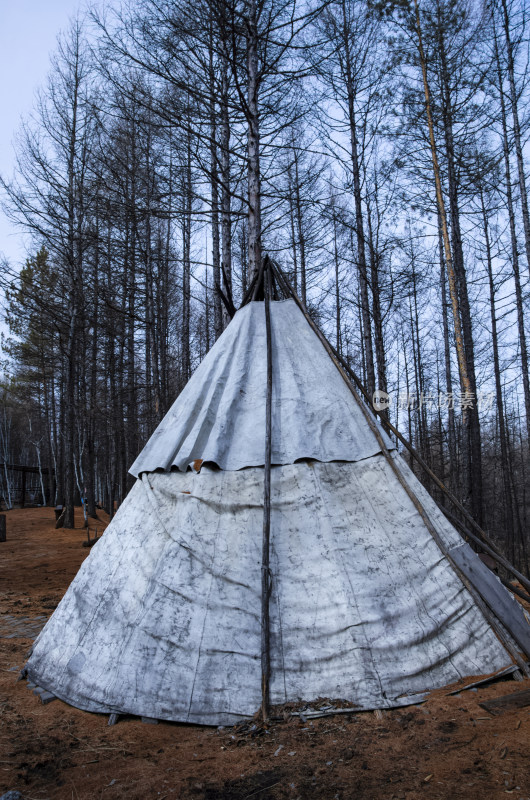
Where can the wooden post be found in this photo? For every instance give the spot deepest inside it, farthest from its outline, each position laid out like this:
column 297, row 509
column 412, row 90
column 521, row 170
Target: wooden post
column 23, row 498
column 3, row 528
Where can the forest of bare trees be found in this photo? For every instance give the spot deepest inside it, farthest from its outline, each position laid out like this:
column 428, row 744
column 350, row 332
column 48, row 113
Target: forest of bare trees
column 376, row 150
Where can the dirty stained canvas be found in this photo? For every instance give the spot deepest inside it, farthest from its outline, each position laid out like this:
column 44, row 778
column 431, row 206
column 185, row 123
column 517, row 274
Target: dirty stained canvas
column 163, row 618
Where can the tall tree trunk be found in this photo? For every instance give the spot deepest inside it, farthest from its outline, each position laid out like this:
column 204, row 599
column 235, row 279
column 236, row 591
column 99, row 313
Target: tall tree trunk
column 472, row 430
column 186, row 265
column 292, row 227
column 357, row 196
column 451, row 428
column 409, row 404
column 472, row 483
column 300, row 229
column 421, row 408
column 226, row 217
column 92, row 397
column 376, row 310
column 243, row 256
column 338, row 338
column 214, row 180
column 254, row 176
column 508, row 506
column 523, row 348
column 73, row 268
column 516, row 130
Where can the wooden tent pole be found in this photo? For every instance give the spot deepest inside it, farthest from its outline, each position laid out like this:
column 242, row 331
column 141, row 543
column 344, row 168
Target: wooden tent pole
column 494, row 554
column 287, row 288
column 250, row 289
column 260, row 281
column 265, row 560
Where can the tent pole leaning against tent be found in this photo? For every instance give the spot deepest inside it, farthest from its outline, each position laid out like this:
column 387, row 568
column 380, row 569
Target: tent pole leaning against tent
column 482, row 540
column 490, row 552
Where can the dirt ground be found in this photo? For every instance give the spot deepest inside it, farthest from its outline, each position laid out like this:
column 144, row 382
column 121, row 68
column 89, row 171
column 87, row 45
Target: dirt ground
column 449, row 747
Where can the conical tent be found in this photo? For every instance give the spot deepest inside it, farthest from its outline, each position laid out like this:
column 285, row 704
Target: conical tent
column 374, row 597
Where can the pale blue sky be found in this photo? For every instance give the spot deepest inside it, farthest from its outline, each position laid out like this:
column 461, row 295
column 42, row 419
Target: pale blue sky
column 28, row 33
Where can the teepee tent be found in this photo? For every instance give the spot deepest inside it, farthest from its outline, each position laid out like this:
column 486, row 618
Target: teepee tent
column 275, row 547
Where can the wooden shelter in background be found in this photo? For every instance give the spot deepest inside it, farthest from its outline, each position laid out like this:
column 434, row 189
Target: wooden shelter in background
column 25, row 481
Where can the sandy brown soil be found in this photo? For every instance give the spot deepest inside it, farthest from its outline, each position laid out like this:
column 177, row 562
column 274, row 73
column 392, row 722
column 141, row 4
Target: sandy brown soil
column 448, row 748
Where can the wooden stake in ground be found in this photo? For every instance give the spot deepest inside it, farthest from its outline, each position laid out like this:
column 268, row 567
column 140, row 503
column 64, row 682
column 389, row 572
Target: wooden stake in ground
column 3, row 536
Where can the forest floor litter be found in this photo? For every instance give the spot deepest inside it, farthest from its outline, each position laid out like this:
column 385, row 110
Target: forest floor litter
column 447, row 748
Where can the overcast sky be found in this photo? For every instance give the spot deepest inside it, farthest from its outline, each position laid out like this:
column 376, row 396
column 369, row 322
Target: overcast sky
column 28, row 33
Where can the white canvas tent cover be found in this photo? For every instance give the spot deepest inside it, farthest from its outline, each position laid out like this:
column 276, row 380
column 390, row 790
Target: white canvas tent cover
column 163, row 618
column 219, row 417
